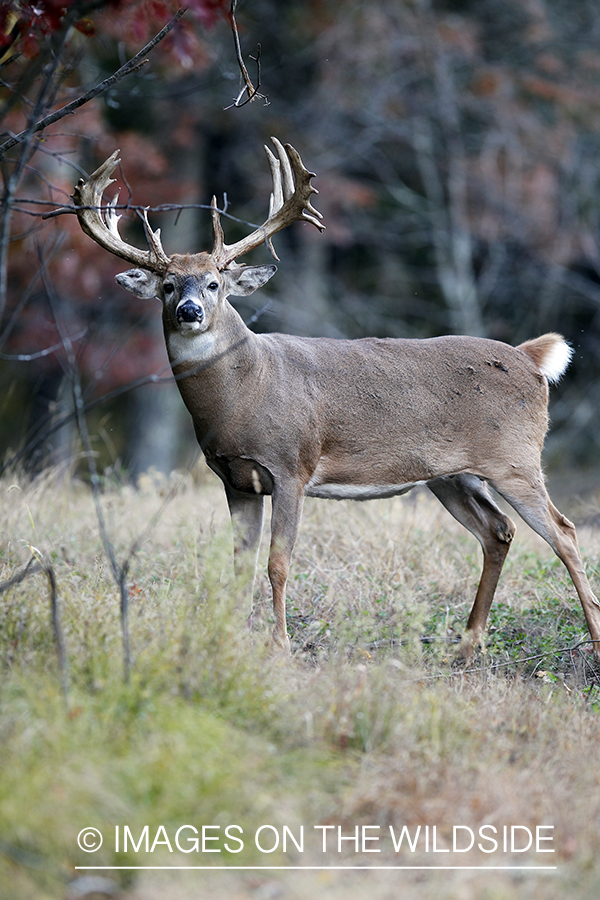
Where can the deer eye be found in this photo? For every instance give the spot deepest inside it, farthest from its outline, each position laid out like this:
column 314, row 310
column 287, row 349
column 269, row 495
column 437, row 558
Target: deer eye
column 213, row 286
column 168, row 288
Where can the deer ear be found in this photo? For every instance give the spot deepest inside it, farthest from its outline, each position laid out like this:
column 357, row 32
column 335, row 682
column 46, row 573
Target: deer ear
column 141, row 282
column 247, row 279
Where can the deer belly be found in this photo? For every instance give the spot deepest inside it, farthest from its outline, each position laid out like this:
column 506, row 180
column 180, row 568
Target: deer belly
column 341, row 480
column 357, row 491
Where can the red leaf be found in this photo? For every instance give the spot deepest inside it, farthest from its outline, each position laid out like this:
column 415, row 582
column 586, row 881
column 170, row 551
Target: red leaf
column 208, row 12
column 86, row 26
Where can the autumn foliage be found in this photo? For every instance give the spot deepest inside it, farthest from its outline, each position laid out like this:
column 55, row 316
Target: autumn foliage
column 457, row 146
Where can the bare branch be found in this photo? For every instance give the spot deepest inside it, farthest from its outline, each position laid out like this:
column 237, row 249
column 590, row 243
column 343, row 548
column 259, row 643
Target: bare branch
column 119, row 572
column 45, row 94
column 25, row 139
column 39, row 354
column 136, row 62
column 34, row 567
column 248, row 88
column 30, row 569
column 57, row 627
column 49, row 57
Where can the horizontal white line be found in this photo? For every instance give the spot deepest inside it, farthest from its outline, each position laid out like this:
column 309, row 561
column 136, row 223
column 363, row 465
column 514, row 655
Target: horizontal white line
column 332, row 868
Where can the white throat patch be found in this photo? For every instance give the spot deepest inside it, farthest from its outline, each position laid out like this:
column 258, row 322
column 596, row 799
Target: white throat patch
column 191, row 345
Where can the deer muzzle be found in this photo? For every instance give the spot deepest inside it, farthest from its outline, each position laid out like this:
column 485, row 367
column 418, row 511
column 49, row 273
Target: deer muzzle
column 189, row 311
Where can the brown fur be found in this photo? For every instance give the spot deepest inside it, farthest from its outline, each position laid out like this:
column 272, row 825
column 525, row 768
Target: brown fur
column 289, row 416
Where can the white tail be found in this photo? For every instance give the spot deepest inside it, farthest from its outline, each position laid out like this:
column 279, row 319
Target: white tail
column 551, row 354
column 292, row 417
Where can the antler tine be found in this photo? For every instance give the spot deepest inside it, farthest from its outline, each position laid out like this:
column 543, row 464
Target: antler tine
column 153, row 237
column 276, row 198
column 100, row 179
column 111, row 217
column 286, row 169
column 301, row 173
column 104, row 229
column 290, row 202
column 217, row 230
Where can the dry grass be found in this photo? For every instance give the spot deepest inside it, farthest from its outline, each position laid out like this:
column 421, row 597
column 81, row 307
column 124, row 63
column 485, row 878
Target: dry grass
column 366, row 724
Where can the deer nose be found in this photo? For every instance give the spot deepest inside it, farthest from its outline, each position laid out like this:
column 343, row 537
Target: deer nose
column 190, row 312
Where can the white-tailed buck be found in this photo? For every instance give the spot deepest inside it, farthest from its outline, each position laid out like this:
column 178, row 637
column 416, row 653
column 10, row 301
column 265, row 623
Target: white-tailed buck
column 292, row 417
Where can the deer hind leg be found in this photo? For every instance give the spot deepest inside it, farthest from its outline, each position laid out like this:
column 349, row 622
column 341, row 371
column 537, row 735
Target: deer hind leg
column 285, row 520
column 246, row 512
column 527, row 494
column 467, row 498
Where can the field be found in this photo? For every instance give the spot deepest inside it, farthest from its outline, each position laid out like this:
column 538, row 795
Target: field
column 366, row 728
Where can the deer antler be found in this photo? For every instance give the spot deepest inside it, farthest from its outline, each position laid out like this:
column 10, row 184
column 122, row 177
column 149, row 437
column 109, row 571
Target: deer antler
column 87, row 196
column 289, row 202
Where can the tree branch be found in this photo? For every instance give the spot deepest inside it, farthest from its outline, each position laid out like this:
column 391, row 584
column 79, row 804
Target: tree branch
column 38, row 564
column 72, row 373
column 248, row 86
column 134, row 63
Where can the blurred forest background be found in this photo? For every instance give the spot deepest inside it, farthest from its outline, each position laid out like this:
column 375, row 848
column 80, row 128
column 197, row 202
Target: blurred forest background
column 457, row 151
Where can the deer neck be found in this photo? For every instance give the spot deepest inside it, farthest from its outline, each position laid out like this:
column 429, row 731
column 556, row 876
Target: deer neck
column 224, row 341
column 214, row 369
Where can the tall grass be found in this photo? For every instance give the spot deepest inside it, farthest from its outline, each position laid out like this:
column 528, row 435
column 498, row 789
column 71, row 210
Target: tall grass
column 366, row 724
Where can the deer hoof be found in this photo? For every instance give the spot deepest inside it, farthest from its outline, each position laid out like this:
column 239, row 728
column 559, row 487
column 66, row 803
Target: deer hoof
column 281, row 643
column 465, row 653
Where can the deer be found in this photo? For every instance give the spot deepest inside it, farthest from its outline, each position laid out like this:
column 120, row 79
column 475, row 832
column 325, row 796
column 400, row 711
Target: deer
column 291, row 417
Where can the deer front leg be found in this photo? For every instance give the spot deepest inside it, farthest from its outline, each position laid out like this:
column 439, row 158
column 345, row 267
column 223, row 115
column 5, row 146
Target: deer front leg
column 246, row 512
column 285, row 520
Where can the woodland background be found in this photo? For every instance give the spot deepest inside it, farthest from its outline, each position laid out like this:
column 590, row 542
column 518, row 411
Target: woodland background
column 457, row 146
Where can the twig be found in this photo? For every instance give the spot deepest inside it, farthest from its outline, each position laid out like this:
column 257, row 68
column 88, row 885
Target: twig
column 30, row 569
column 60, row 155
column 50, row 51
column 248, row 86
column 134, row 63
column 25, row 297
column 34, row 568
column 119, row 572
column 57, row 44
column 57, row 628
column 135, row 207
column 504, row 665
column 39, row 354
column 25, row 138
column 258, row 313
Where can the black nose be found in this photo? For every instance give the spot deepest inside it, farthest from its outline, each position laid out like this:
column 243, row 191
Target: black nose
column 190, row 312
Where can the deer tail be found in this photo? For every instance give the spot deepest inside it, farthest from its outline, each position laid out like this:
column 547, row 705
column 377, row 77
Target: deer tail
column 550, row 353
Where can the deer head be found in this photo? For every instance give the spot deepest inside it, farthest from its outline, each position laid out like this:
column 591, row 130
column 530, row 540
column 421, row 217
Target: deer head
column 193, row 286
